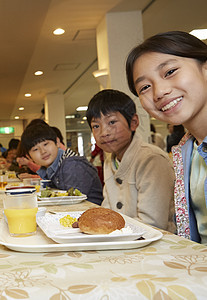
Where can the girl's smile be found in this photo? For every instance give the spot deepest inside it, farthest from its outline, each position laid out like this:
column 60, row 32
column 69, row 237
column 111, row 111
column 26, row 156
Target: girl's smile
column 171, row 104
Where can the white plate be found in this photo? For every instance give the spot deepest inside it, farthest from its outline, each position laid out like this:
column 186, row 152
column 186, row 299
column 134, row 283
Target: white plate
column 51, row 226
column 60, row 200
column 41, row 243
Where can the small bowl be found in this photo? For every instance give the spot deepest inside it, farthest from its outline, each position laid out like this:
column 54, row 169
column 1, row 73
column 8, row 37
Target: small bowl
column 44, row 183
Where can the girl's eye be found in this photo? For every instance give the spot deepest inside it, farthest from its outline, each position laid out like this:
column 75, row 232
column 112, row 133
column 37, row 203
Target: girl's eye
column 45, row 144
column 170, row 72
column 144, row 88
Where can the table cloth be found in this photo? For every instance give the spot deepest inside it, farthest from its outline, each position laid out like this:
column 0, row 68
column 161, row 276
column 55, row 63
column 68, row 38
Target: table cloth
column 171, row 268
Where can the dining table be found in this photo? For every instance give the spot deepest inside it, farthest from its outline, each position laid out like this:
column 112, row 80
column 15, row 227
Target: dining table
column 170, row 267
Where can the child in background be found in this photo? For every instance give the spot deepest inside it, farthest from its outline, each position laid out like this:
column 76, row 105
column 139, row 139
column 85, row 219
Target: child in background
column 138, row 177
column 22, row 160
column 64, row 168
column 168, row 72
column 174, row 138
column 98, row 153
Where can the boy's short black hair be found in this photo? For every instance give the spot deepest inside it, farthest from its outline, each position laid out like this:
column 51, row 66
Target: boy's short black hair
column 109, row 100
column 13, row 143
column 35, row 134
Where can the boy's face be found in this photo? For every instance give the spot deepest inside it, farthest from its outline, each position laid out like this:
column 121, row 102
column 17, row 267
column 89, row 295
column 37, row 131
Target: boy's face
column 44, row 153
column 112, row 132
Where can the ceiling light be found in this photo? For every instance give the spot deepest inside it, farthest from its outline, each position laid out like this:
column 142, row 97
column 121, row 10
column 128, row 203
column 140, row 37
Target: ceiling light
column 200, row 33
column 16, row 117
column 70, row 117
column 38, row 73
column 28, row 95
column 21, row 108
column 58, row 31
column 84, row 118
column 82, row 108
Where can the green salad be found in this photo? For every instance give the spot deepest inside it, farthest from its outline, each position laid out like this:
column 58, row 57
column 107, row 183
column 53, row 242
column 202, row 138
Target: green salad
column 48, row 193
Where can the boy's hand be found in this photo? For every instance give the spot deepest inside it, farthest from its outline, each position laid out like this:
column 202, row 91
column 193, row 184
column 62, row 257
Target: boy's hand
column 22, row 161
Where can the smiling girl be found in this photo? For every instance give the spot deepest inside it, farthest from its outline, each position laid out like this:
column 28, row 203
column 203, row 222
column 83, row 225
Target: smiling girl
column 168, row 72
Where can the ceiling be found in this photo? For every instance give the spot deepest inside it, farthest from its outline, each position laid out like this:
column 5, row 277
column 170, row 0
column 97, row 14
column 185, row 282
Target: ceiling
column 28, row 45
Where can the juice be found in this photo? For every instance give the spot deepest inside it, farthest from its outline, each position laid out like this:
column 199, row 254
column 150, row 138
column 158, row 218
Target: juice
column 2, row 185
column 21, row 222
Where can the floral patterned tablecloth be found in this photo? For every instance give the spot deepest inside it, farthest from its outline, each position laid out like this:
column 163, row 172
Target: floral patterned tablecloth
column 171, row 268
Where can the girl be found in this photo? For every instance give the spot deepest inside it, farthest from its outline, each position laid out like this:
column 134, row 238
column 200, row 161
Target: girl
column 168, row 72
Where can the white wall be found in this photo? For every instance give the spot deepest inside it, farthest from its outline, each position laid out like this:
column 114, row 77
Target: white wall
column 18, row 129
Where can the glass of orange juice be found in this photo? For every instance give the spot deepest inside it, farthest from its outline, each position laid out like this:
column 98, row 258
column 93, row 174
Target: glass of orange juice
column 20, row 210
column 3, row 181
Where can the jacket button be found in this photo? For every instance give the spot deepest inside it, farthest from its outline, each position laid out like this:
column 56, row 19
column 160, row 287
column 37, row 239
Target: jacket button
column 119, row 205
column 204, row 149
column 118, row 180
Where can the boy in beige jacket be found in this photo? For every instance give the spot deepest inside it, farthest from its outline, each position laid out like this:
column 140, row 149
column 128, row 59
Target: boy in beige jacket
column 138, row 177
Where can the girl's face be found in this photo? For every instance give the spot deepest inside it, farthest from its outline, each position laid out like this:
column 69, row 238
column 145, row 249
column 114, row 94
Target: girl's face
column 171, row 88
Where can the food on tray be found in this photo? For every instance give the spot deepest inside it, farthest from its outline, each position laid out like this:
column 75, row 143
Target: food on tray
column 14, row 184
column 48, row 193
column 11, row 175
column 74, row 192
column 100, row 220
column 67, row 221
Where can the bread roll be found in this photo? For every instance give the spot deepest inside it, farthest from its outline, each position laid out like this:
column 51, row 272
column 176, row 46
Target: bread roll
column 100, row 220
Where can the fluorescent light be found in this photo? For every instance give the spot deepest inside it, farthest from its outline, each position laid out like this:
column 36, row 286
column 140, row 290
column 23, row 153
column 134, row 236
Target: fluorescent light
column 82, row 108
column 38, row 73
column 70, row 117
column 28, row 95
column 200, row 33
column 58, row 31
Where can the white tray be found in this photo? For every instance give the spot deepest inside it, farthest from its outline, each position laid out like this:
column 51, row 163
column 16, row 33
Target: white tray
column 51, row 226
column 41, row 243
column 61, row 200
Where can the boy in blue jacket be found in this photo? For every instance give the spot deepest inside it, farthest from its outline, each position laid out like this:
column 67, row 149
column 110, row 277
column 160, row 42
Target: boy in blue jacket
column 65, row 169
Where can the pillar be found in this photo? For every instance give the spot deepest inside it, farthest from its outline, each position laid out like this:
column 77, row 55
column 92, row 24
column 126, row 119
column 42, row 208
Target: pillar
column 55, row 112
column 116, row 35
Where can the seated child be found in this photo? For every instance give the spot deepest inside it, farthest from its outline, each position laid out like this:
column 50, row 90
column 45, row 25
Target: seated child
column 138, row 177
column 65, row 169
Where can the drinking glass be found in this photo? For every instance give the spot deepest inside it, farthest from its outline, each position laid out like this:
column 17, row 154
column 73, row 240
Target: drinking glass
column 20, row 210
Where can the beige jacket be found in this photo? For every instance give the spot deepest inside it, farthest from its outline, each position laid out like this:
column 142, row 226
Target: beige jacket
column 143, row 185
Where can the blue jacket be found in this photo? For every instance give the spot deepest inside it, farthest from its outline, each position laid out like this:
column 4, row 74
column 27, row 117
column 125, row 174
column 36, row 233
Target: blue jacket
column 183, row 168
column 69, row 170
